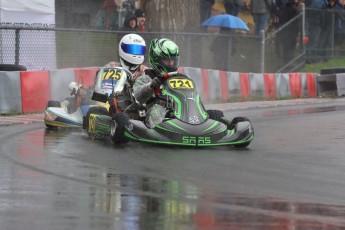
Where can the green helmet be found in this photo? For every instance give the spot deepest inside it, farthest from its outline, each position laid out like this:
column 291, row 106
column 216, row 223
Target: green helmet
column 163, row 55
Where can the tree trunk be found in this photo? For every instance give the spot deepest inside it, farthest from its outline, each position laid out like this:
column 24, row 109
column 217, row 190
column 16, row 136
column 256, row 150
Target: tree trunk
column 173, row 15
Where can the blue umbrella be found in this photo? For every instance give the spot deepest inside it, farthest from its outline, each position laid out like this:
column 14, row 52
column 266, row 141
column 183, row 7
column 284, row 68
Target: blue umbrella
column 226, row 21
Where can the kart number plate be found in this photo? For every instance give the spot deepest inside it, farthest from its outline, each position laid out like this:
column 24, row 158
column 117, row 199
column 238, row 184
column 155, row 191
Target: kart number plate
column 109, row 74
column 181, row 84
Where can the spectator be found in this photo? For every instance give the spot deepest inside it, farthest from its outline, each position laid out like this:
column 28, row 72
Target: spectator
column 276, row 10
column 232, row 7
column 318, row 31
column 308, row 3
column 205, row 9
column 222, row 49
column 130, row 23
column 261, row 13
column 339, row 26
column 140, row 14
column 106, row 17
column 289, row 35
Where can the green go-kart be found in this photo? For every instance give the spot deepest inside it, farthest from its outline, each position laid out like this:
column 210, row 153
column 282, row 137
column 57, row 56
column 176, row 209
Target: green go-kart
column 187, row 122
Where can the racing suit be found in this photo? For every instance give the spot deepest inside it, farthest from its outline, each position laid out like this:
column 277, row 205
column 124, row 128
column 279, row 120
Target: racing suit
column 144, row 94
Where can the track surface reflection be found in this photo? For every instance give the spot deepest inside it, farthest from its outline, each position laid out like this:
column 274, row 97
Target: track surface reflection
column 290, row 177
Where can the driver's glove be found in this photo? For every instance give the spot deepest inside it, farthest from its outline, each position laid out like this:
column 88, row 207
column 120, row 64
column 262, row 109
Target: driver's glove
column 156, row 83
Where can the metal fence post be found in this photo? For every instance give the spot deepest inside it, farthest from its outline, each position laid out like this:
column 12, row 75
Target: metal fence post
column 17, row 47
column 303, row 27
column 262, row 51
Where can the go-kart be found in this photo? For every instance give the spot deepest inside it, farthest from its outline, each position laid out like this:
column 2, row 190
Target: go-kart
column 69, row 112
column 187, row 123
column 115, row 96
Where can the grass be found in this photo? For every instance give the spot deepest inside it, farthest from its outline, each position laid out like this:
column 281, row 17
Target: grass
column 316, row 67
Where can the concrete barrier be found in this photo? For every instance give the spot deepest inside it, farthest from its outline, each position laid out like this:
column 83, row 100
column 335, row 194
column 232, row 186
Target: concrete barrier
column 10, row 92
column 29, row 91
column 35, row 90
column 331, row 84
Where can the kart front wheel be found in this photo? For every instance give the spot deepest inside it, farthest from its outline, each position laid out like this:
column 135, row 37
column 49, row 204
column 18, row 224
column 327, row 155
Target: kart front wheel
column 242, row 145
column 215, row 114
column 117, row 128
column 93, row 110
column 89, row 121
column 54, row 104
column 237, row 120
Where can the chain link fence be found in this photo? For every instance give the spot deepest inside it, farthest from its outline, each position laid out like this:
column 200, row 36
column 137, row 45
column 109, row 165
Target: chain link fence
column 53, row 48
column 42, row 47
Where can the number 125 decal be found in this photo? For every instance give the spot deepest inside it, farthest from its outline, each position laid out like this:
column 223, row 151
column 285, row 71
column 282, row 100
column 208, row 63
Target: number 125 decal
column 112, row 74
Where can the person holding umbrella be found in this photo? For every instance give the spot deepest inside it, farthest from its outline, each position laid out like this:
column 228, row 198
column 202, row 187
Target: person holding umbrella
column 222, row 49
column 223, row 45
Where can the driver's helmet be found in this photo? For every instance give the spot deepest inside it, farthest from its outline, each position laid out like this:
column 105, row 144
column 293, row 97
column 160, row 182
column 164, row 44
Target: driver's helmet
column 164, row 55
column 132, row 51
column 73, row 87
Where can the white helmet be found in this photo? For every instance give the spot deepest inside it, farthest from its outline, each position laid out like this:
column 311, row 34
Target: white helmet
column 132, row 50
column 73, row 87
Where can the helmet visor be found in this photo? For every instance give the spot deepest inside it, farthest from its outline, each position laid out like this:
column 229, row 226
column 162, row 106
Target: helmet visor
column 133, row 49
column 171, row 64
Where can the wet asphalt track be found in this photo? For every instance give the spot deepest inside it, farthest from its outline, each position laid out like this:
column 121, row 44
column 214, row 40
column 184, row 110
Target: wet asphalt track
column 292, row 176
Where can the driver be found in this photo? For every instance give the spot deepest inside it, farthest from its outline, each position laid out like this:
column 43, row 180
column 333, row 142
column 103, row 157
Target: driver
column 164, row 58
column 132, row 53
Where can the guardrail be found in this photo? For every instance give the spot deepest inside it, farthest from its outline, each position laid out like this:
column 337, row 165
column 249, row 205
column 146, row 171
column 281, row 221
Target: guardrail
column 29, row 91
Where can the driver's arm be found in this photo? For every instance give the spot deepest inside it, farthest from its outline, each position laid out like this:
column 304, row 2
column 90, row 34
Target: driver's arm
column 141, row 89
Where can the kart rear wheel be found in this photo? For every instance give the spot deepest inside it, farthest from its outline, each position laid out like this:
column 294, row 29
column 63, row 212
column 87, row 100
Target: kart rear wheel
column 55, row 104
column 98, row 110
column 215, row 114
column 117, row 128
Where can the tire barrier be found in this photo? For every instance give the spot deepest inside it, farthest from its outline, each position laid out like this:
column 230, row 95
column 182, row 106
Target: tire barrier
column 29, row 91
column 12, row 67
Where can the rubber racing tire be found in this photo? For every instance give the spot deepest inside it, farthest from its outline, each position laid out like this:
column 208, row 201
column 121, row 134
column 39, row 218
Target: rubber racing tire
column 55, row 104
column 232, row 125
column 326, row 71
column 10, row 67
column 236, row 120
column 93, row 110
column 242, row 145
column 117, row 128
column 215, row 114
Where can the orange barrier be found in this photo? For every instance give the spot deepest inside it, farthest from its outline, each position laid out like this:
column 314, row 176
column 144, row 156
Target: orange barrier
column 85, row 76
column 270, row 86
column 295, row 84
column 311, row 85
column 35, row 90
